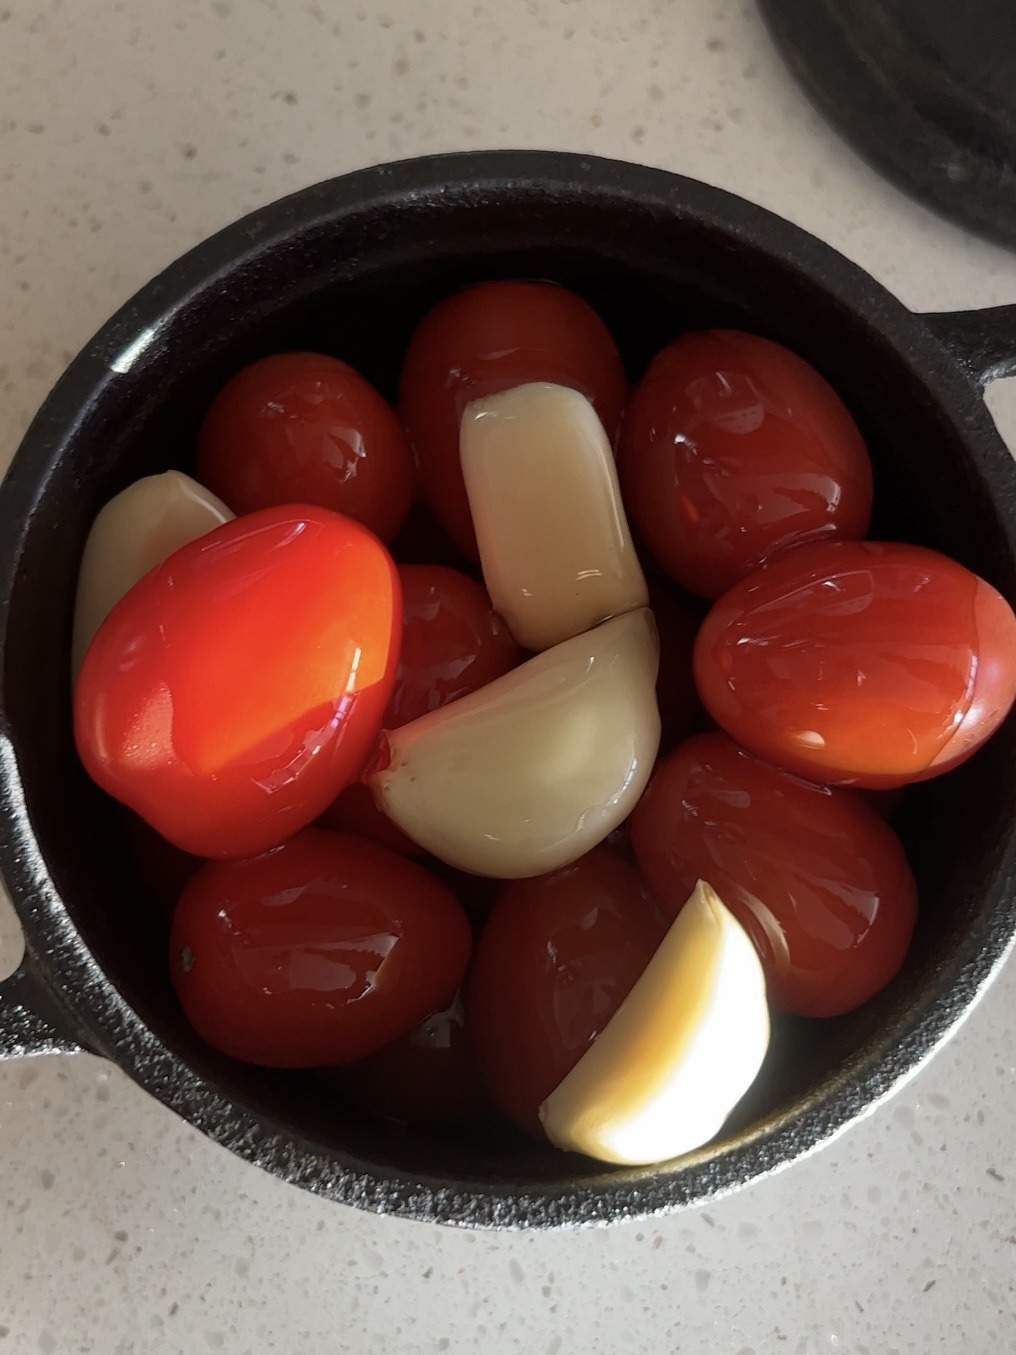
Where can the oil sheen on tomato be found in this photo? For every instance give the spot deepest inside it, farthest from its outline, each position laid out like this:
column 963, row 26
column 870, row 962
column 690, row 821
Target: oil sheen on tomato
column 307, row 428
column 859, row 663
column 815, row 875
column 235, row 690
column 316, row 953
column 734, row 449
column 558, row 956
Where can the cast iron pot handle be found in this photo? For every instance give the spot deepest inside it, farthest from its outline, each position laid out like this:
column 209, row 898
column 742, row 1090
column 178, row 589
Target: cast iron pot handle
column 982, row 342
column 30, row 1022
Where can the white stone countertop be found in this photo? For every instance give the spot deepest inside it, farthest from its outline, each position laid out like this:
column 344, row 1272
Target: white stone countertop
column 128, row 131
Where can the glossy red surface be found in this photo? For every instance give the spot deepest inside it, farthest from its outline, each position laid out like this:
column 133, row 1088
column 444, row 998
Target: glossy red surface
column 815, row 875
column 735, row 448
column 238, row 687
column 558, row 956
column 484, row 340
column 319, row 952
column 429, row 1076
column 453, row 642
column 859, row 663
column 306, row 428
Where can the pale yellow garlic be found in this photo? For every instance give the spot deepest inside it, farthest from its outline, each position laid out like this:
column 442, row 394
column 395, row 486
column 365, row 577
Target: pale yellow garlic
column 554, row 542
column 678, row 1054
column 533, row 770
column 134, row 532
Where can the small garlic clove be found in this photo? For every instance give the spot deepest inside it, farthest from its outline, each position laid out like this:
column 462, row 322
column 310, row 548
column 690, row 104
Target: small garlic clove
column 554, row 542
column 532, row 771
column 678, row 1054
column 137, row 530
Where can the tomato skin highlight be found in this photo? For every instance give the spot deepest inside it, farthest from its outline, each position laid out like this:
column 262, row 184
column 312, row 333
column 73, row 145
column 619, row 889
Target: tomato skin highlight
column 484, row 340
column 734, row 448
column 557, row 957
column 235, row 690
column 307, row 428
column 859, row 663
column 317, row 953
column 817, row 878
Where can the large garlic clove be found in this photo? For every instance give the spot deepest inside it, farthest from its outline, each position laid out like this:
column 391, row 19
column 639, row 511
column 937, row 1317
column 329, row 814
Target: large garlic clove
column 554, row 542
column 137, row 530
column 678, row 1054
column 531, row 771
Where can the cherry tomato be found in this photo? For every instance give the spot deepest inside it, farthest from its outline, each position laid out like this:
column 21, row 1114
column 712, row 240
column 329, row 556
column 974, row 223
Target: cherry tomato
column 429, row 1076
column 676, row 696
column 305, row 428
column 856, row 663
column 318, row 952
column 453, row 642
column 558, row 956
column 733, row 449
column 486, row 339
column 234, row 691
column 817, row 878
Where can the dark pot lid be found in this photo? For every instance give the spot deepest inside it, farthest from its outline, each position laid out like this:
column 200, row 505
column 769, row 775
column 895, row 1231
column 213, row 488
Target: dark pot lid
column 925, row 90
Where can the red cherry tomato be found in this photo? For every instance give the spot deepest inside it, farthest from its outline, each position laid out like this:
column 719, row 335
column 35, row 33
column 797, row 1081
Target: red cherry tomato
column 305, row 428
column 486, row 339
column 453, row 643
column 318, row 952
column 676, row 696
column 429, row 1076
column 234, row 691
column 816, row 877
column 733, row 449
column 856, row 663
column 558, row 956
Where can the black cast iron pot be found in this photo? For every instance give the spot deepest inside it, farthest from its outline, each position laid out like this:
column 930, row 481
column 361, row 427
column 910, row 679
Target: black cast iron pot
column 348, row 267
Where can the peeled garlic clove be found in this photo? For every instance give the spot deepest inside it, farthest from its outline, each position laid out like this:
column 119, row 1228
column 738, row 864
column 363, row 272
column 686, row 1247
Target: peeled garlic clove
column 136, row 531
column 554, row 542
column 531, row 771
column 678, row 1054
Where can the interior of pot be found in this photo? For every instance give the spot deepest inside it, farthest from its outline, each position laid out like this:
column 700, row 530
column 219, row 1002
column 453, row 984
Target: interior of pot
column 355, row 286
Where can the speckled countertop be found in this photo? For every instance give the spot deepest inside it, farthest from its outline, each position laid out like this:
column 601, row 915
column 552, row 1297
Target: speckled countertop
column 129, row 130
